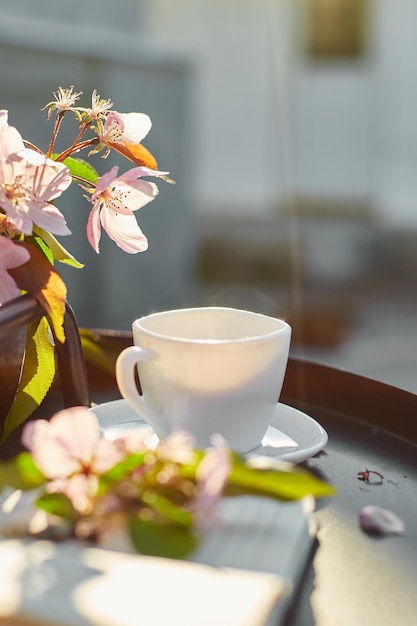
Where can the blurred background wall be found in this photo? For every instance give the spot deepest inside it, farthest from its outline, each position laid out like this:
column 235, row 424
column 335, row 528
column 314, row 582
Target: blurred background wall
column 93, row 45
column 324, row 89
column 289, row 126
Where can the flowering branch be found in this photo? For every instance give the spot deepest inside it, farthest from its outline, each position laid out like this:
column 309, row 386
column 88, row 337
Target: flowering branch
column 161, row 501
column 31, row 180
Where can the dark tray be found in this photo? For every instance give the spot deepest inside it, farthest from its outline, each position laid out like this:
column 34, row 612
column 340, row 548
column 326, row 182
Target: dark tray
column 356, row 579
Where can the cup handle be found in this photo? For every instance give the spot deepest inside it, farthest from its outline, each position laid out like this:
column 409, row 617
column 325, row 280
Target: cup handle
column 125, row 376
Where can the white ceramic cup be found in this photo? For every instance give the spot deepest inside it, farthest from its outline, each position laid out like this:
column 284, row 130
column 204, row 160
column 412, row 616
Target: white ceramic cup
column 206, row 370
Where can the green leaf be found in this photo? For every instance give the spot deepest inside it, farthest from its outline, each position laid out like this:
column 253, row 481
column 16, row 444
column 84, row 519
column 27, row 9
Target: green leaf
column 21, row 472
column 154, row 539
column 37, row 376
column 172, row 512
column 56, row 250
column 81, row 169
column 189, row 470
column 38, row 241
column 123, row 469
column 283, row 482
column 58, row 504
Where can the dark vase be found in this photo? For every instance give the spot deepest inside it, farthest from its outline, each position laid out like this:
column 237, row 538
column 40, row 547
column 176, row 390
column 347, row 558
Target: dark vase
column 12, row 349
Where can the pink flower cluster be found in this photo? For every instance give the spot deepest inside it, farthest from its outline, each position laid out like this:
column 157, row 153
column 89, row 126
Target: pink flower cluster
column 115, row 198
column 31, row 181
column 73, row 456
column 28, row 184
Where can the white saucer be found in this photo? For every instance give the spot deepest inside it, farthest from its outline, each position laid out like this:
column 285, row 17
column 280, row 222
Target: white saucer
column 293, row 435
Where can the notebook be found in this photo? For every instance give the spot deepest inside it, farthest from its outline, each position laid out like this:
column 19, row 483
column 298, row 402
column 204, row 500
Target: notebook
column 243, row 574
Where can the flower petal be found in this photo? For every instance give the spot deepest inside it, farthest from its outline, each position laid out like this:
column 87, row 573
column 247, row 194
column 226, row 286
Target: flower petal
column 51, row 457
column 104, row 181
column 375, row 519
column 124, row 231
column 11, row 254
column 78, row 488
column 45, row 215
column 49, row 181
column 37, row 158
column 93, row 226
column 106, row 454
column 135, row 127
column 133, row 196
column 212, row 474
column 77, row 429
column 11, row 141
column 8, row 287
column 139, row 172
column 62, row 444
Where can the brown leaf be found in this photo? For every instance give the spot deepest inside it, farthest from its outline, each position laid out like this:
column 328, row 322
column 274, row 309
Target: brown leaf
column 39, row 278
column 136, row 153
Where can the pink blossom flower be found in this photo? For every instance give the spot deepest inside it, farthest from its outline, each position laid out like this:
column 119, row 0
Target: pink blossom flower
column 71, row 453
column 99, row 108
column 136, row 440
column 114, row 200
column 178, row 447
column 11, row 255
column 64, row 100
column 129, row 128
column 212, row 474
column 29, row 181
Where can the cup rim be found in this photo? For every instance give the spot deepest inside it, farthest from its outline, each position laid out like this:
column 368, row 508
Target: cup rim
column 283, row 329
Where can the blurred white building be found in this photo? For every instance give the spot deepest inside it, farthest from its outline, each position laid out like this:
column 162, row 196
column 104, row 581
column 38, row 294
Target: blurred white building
column 247, row 119
column 271, row 120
